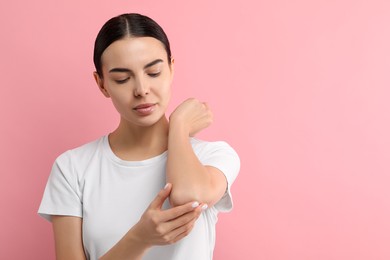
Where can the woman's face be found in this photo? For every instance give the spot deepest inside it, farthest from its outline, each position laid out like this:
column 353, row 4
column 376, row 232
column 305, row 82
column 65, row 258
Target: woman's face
column 137, row 77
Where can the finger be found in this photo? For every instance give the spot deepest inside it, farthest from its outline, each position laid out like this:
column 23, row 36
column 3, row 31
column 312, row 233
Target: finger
column 172, row 213
column 183, row 220
column 181, row 232
column 185, row 232
column 161, row 197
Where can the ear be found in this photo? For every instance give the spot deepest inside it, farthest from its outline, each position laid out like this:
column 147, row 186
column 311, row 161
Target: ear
column 100, row 83
column 172, row 67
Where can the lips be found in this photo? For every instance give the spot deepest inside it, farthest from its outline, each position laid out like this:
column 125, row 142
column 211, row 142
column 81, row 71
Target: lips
column 145, row 109
column 143, row 106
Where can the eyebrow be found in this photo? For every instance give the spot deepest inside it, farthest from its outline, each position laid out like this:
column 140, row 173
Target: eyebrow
column 150, row 64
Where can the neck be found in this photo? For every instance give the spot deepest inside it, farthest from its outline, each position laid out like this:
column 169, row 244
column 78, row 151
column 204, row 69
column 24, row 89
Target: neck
column 130, row 142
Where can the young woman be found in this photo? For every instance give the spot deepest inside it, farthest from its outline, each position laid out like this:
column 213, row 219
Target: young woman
column 148, row 190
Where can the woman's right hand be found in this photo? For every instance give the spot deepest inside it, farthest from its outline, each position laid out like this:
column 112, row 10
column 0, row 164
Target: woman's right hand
column 164, row 227
column 191, row 116
column 156, row 227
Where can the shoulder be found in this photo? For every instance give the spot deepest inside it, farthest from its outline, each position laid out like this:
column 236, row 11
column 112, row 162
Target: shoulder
column 88, row 149
column 82, row 153
column 202, row 145
column 213, row 148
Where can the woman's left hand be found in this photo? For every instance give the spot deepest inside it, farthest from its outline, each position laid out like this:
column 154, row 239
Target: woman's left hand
column 191, row 116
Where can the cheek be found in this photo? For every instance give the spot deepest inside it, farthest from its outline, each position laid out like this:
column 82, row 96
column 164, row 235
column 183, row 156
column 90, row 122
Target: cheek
column 120, row 102
column 166, row 92
column 162, row 88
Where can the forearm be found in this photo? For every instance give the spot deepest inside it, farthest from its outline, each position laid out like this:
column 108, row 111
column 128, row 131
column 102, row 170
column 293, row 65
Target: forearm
column 190, row 179
column 129, row 247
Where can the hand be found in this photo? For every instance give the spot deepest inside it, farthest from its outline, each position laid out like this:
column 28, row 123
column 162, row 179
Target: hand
column 191, row 115
column 163, row 227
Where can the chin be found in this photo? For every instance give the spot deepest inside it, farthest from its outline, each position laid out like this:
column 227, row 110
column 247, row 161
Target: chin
column 148, row 121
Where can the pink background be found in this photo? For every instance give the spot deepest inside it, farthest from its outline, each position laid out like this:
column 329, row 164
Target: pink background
column 299, row 88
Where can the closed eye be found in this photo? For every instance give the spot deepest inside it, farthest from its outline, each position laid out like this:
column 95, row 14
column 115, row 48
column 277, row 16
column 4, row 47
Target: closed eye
column 122, row 81
column 154, row 75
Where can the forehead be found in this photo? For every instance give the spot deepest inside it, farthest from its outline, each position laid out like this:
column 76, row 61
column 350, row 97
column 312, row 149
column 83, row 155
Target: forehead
column 133, row 52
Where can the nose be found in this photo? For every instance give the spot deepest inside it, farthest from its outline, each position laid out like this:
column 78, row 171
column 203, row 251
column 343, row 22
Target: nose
column 141, row 88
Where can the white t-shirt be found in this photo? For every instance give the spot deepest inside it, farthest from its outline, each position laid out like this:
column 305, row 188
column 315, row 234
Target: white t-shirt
column 111, row 194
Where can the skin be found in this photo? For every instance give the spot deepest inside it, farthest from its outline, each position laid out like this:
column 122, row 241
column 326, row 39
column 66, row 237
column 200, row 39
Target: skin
column 136, row 71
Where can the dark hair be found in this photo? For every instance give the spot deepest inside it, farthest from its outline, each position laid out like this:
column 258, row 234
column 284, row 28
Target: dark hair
column 133, row 25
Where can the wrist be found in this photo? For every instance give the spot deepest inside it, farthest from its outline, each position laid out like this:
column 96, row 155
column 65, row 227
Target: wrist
column 177, row 127
column 132, row 238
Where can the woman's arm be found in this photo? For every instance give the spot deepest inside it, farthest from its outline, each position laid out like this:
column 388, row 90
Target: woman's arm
column 156, row 227
column 191, row 180
column 68, row 237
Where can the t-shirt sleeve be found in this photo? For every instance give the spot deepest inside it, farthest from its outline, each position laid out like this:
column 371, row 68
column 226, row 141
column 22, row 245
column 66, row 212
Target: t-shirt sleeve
column 223, row 157
column 61, row 196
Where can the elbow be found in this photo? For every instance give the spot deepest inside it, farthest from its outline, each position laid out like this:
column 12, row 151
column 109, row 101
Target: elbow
column 180, row 197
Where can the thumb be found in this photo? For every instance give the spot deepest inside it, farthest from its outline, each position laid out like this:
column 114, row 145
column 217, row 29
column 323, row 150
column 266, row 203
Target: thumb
column 161, row 197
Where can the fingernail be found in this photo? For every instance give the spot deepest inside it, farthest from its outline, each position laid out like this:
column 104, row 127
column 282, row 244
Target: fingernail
column 204, row 207
column 166, row 186
column 195, row 204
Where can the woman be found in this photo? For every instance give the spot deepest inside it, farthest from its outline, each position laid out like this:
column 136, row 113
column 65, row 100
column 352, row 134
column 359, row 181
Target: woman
column 101, row 197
